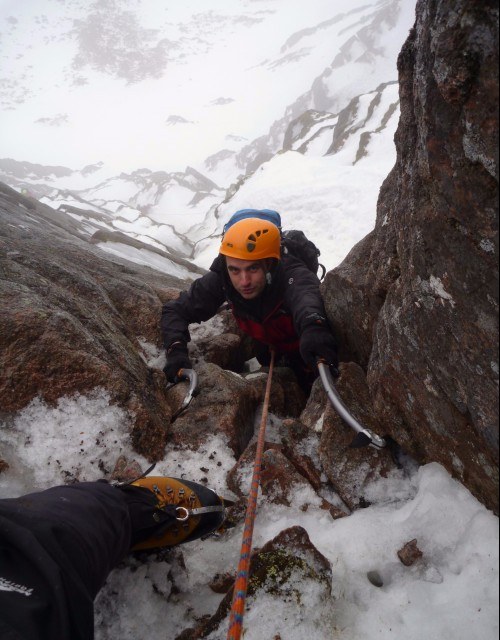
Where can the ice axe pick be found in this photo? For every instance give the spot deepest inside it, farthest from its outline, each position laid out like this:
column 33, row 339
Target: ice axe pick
column 192, row 377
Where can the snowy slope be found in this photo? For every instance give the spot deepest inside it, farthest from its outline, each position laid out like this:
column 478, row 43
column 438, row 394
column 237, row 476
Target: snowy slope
column 360, row 45
column 320, row 82
column 452, row 593
column 164, row 86
column 316, row 184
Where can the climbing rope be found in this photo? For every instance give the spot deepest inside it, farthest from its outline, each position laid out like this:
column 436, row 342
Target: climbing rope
column 241, row 584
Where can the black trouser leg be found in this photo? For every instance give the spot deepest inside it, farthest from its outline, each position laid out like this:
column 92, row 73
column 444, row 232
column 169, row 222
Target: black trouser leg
column 56, row 549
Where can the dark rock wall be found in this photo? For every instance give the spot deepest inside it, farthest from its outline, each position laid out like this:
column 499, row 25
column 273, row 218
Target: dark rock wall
column 72, row 319
column 416, row 302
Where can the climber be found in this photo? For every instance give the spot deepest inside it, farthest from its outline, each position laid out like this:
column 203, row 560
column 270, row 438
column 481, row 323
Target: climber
column 58, row 546
column 274, row 297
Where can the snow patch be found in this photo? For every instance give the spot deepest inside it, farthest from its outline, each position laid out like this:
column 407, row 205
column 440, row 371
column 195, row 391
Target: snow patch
column 78, row 439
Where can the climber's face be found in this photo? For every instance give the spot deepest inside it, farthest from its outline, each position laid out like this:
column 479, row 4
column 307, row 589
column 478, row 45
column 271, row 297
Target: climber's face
column 247, row 277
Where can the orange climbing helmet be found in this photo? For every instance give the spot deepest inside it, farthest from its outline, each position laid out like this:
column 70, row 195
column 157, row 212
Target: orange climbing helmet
column 251, row 239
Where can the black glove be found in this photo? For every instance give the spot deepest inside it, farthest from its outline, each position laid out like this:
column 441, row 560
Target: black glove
column 316, row 342
column 177, row 358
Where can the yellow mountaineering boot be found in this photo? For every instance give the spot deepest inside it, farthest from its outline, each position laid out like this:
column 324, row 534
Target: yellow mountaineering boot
column 182, row 511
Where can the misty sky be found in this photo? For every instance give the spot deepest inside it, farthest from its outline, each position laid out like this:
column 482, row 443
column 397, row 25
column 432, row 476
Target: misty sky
column 157, row 84
column 153, row 83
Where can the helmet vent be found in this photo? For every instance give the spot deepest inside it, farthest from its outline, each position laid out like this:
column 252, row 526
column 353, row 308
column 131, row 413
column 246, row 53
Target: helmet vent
column 250, row 246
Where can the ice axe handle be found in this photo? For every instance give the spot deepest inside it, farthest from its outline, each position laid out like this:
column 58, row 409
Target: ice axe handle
column 364, row 436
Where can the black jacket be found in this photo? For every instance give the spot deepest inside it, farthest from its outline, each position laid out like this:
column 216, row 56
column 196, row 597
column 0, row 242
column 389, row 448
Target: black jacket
column 292, row 293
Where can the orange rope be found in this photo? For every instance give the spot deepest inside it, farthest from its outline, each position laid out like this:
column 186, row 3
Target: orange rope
column 241, row 584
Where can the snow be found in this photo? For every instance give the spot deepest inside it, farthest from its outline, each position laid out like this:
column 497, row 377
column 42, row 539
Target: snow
column 67, row 78
column 61, row 202
column 47, row 446
column 174, row 207
column 451, row 593
column 146, row 258
column 341, row 52
column 158, row 235
column 320, row 143
column 116, row 189
column 438, row 288
column 320, row 195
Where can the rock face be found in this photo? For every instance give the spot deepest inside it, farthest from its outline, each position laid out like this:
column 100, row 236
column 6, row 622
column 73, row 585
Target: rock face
column 416, row 302
column 290, row 575
column 73, row 320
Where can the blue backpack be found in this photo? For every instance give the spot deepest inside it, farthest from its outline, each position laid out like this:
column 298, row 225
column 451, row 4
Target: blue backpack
column 292, row 241
column 263, row 214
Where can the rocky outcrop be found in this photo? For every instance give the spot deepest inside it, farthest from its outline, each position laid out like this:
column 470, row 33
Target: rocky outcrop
column 290, row 574
column 226, row 404
column 416, row 302
column 74, row 320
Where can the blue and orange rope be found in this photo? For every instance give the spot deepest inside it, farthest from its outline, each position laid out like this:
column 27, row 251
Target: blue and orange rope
column 241, row 584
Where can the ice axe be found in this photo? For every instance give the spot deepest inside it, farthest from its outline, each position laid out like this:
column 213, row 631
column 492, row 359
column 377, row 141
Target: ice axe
column 192, row 377
column 364, row 437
